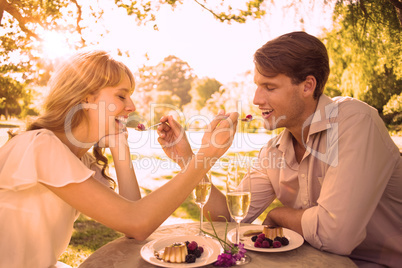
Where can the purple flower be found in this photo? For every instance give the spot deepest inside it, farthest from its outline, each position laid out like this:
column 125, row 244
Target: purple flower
column 229, row 258
column 242, row 250
column 225, row 260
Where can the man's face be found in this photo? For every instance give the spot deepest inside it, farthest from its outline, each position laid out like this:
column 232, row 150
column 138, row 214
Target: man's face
column 279, row 100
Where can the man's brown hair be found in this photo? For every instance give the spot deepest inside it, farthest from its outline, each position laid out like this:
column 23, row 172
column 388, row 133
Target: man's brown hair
column 295, row 55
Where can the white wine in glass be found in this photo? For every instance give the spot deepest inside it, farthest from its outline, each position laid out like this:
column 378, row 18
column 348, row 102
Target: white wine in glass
column 238, row 195
column 201, row 195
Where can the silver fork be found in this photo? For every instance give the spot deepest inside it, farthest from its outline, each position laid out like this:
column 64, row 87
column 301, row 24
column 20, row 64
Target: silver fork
column 148, row 128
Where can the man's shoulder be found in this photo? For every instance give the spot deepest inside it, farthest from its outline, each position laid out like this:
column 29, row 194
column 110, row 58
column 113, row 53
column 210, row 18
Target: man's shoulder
column 350, row 106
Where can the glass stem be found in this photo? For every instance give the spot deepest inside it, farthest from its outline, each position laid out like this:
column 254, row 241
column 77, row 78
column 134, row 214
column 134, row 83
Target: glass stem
column 201, row 219
column 237, row 232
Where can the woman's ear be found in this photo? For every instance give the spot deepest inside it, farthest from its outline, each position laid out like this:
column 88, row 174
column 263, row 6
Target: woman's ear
column 309, row 85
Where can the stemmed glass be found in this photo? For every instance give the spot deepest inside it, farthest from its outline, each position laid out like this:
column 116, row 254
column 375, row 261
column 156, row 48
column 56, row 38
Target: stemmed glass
column 201, row 195
column 238, row 195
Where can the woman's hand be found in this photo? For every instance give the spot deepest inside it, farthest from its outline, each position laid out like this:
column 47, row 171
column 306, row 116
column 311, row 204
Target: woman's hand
column 218, row 137
column 114, row 140
column 173, row 140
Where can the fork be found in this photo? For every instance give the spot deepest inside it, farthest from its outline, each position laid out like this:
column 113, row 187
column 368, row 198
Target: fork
column 145, row 129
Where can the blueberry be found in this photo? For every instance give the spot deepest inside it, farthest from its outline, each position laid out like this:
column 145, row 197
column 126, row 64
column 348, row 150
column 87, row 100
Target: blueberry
column 285, row 241
column 278, row 238
column 254, row 238
column 190, row 258
column 197, row 253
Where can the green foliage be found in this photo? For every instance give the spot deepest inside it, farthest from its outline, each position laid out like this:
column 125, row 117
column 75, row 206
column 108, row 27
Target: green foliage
column 364, row 50
column 176, row 76
column 164, row 88
column 144, row 10
column 202, row 90
column 24, row 24
column 393, row 109
column 87, row 237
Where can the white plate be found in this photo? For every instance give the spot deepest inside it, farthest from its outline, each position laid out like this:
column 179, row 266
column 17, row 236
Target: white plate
column 295, row 240
column 212, row 249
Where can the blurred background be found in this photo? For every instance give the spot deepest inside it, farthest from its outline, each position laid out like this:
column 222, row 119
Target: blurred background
column 192, row 58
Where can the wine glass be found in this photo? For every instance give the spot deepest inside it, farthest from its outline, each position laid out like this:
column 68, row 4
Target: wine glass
column 201, row 195
column 238, row 195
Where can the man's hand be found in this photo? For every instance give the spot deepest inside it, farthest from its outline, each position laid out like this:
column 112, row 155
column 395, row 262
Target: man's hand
column 286, row 217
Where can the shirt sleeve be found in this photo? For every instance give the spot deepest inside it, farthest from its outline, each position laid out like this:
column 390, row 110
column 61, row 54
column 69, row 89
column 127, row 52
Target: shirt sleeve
column 43, row 159
column 363, row 158
column 262, row 192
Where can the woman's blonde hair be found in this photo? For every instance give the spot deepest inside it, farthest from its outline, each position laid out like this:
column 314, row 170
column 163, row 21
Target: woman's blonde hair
column 86, row 73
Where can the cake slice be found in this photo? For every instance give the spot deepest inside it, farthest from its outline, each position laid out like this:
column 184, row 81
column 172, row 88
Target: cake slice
column 272, row 232
column 175, row 253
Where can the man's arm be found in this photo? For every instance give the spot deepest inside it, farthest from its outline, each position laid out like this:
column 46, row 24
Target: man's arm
column 216, row 206
column 353, row 186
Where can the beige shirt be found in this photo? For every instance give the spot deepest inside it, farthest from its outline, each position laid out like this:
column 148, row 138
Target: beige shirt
column 36, row 225
column 349, row 180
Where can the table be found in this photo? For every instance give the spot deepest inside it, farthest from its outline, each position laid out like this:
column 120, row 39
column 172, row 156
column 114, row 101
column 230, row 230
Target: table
column 125, row 253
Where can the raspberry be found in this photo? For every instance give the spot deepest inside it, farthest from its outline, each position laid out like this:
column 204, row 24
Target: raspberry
column 265, row 244
column 249, row 117
column 201, row 249
column 276, row 244
column 262, row 236
column 254, row 238
column 269, row 241
column 259, row 240
column 141, row 127
column 190, row 258
column 257, row 244
column 192, row 246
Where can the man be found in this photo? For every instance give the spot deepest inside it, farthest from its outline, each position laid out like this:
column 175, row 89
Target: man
column 334, row 167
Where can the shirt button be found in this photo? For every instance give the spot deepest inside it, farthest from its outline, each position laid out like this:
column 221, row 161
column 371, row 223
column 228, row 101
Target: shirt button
column 302, row 175
column 305, row 202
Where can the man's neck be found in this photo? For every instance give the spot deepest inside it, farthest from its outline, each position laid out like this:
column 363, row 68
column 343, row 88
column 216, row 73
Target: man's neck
column 300, row 132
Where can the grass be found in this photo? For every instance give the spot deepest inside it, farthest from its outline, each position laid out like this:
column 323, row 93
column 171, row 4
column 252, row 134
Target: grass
column 87, row 237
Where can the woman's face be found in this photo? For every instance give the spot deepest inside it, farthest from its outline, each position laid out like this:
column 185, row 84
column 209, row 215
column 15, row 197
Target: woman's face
column 109, row 110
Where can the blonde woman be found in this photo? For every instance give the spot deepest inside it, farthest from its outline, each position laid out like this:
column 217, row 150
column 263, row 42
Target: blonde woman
column 47, row 176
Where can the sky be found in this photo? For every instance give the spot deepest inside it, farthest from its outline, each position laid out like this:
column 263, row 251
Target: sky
column 211, row 48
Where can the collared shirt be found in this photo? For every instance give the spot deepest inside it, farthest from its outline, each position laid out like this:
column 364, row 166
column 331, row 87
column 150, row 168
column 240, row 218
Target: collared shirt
column 349, row 181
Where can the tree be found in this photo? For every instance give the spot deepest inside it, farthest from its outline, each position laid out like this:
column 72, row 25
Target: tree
column 364, row 50
column 25, row 23
column 166, row 84
column 202, row 90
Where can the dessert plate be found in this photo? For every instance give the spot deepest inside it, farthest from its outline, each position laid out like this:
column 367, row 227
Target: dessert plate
column 212, row 249
column 295, row 240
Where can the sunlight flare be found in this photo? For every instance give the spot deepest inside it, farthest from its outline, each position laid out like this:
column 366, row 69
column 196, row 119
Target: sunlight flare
column 55, row 45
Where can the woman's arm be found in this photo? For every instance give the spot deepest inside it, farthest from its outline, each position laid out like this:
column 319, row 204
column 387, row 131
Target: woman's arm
column 138, row 219
column 126, row 179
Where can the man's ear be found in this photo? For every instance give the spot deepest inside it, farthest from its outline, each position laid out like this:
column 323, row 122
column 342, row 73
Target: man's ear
column 309, row 85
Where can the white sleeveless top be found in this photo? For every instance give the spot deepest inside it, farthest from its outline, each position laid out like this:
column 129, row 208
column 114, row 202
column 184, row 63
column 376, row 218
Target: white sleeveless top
column 35, row 224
